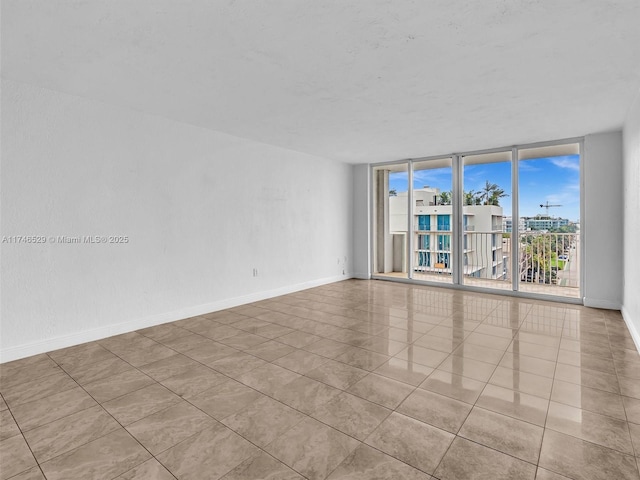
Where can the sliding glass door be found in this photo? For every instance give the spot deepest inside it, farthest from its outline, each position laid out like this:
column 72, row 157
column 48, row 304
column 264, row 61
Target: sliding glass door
column 486, row 204
column 503, row 219
column 391, row 207
column 432, row 224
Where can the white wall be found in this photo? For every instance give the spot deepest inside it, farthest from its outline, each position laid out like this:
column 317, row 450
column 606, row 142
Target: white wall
column 361, row 221
column 602, row 220
column 631, row 290
column 201, row 209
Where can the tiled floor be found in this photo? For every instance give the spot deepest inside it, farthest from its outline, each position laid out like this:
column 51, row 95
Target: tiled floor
column 357, row 379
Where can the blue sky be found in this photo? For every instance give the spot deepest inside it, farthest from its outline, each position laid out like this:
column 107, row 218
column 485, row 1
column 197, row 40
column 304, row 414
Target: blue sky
column 555, row 180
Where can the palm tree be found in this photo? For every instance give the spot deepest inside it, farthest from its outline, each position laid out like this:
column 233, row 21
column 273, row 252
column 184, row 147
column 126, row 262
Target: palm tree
column 470, row 197
column 445, row 198
column 491, row 194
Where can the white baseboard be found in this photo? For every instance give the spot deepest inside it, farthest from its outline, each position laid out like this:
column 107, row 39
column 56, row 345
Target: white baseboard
column 64, row 341
column 598, row 303
column 632, row 326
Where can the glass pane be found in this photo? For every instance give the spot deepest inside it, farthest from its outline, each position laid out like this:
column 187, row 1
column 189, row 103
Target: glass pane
column 549, row 223
column 486, row 206
column 391, row 217
column 432, row 220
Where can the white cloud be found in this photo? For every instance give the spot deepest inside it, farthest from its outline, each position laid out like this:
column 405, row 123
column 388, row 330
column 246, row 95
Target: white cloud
column 564, row 162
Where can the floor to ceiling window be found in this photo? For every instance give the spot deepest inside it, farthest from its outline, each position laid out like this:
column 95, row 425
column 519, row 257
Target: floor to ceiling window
column 503, row 219
column 486, row 202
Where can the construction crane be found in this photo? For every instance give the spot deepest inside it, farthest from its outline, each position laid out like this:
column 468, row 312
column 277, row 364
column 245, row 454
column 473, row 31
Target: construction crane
column 548, row 206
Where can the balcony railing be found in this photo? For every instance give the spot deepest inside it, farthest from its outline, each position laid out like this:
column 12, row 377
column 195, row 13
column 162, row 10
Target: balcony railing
column 549, row 258
column 544, row 258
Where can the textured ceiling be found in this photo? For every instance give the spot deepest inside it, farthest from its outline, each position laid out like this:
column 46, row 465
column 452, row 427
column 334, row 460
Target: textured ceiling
column 359, row 81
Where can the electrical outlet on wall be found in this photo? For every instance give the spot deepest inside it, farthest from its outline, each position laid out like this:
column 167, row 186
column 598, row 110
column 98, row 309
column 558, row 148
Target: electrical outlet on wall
column 255, row 272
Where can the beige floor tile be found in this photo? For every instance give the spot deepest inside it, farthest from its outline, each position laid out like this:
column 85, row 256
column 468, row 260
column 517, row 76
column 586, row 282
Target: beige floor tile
column 628, row 369
column 23, row 373
column 472, row 461
column 69, row 432
column 490, row 341
column 632, row 409
column 83, row 354
column 606, row 431
column 468, row 367
column 149, row 470
column 92, row 372
column 236, row 364
column 268, row 378
column 514, row 404
column 401, row 335
column 32, row 474
column 270, row 350
column 585, row 360
column 140, row 403
column 102, row 459
column 336, row 374
column 384, row 346
column 364, row 359
column 117, row 385
column 327, row 348
column 272, row 331
column 243, row 340
column 366, row 463
column 537, row 366
column 305, row 394
column 312, row 448
column 187, row 342
column 15, row 457
column 477, row 352
column 168, row 367
column 455, row 386
column 597, row 401
column 403, row 371
column 38, row 388
column 8, row 426
column 215, row 450
column 142, row 352
column 263, row 466
column 505, row 434
column 538, row 338
column 437, row 410
column 263, row 420
column 629, row 387
column 381, row 390
column 351, row 415
column 193, row 381
column 588, row 378
column 597, row 349
column 39, row 412
column 299, row 339
column 635, row 438
column 543, row 474
column 421, row 355
column 209, row 352
column 582, row 460
column 225, row 399
column 301, row 361
column 166, row 428
column 441, row 344
column 522, row 382
column 413, row 442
